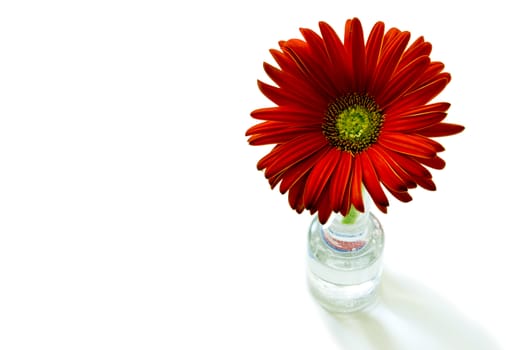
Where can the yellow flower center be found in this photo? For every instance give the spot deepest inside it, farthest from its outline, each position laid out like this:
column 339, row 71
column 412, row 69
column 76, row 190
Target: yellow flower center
column 352, row 123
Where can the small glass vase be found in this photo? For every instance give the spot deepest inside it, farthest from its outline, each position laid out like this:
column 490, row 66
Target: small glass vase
column 345, row 260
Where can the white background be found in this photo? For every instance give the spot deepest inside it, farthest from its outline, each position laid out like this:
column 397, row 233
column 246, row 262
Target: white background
column 132, row 215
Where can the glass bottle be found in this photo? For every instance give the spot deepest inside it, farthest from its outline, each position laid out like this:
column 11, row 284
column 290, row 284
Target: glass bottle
column 345, row 260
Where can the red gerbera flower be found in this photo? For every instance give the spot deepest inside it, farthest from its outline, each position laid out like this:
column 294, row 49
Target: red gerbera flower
column 351, row 114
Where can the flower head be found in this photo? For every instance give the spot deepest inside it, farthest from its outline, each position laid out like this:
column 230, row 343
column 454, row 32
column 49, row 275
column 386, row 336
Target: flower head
column 351, row 114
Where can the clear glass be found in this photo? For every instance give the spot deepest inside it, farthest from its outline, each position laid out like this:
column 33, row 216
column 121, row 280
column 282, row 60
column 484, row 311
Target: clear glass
column 345, row 260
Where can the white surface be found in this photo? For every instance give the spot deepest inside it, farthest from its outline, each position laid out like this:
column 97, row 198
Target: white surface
column 132, row 216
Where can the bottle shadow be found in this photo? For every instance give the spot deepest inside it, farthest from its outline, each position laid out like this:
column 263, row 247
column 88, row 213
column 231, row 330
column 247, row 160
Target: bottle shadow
column 407, row 316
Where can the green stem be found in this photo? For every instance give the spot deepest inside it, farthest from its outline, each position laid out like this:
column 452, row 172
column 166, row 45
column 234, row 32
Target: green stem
column 351, row 217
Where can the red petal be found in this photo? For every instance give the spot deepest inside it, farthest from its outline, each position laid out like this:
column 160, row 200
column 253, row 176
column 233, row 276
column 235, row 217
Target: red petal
column 338, row 57
column 388, row 177
column 402, row 81
column 340, row 184
column 277, row 132
column 402, row 196
column 295, row 195
column 418, row 97
column 407, row 144
column 287, row 114
column 372, row 184
column 427, row 184
column 312, row 67
column 273, row 181
column 432, row 73
column 388, row 62
column 292, row 65
column 316, row 45
column 283, row 97
column 432, row 143
column 356, row 192
column 286, row 63
column 276, row 138
column 373, row 46
column 419, row 173
column 324, row 208
column 412, row 122
column 417, row 49
column 401, row 173
column 388, row 39
column 419, row 109
column 294, row 151
column 270, row 127
column 319, row 176
column 384, row 172
column 299, row 88
column 295, row 172
column 355, row 46
column 409, row 165
column 269, row 158
column 436, row 162
column 441, row 129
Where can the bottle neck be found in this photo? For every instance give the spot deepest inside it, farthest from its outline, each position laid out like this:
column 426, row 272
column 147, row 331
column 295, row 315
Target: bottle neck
column 348, row 233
